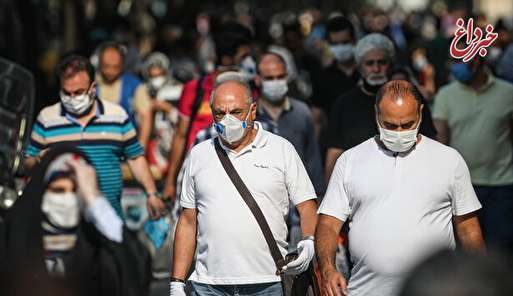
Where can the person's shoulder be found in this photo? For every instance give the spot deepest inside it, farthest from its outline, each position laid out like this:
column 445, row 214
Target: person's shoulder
column 504, row 84
column 439, row 151
column 449, row 88
column 277, row 142
column 274, row 138
column 203, row 148
column 348, row 96
column 113, row 111
column 51, row 116
column 50, row 112
column 363, row 147
column 299, row 106
column 131, row 78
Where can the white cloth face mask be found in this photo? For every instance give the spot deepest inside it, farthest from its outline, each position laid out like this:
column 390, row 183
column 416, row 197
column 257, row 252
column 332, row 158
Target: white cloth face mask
column 398, row 141
column 342, row 52
column 275, row 90
column 62, row 209
column 157, row 82
column 76, row 105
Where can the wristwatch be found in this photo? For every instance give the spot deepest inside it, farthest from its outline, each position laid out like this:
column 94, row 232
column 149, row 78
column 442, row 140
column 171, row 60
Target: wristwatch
column 310, row 237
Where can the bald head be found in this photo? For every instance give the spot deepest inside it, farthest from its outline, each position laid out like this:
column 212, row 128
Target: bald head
column 231, row 97
column 111, row 64
column 271, row 62
column 398, row 104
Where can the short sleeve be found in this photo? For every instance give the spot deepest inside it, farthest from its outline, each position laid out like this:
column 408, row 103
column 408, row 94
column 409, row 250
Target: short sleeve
column 142, row 100
column 131, row 146
column 463, row 196
column 336, row 201
column 188, row 194
column 187, row 98
column 37, row 141
column 298, row 183
column 440, row 106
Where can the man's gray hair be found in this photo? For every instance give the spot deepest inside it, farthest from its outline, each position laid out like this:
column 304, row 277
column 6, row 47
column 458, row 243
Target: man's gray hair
column 372, row 42
column 231, row 76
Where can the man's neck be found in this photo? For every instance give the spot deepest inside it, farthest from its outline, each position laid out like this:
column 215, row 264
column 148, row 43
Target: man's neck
column 479, row 81
column 274, row 110
column 366, row 91
column 347, row 68
column 247, row 140
column 84, row 120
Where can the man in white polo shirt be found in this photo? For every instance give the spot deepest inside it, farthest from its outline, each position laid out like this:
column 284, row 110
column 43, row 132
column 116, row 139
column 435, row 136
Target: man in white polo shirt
column 232, row 255
column 404, row 195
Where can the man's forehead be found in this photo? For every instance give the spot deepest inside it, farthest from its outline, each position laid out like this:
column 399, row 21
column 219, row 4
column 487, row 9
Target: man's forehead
column 271, row 61
column 398, row 104
column 375, row 54
column 80, row 79
column 231, row 94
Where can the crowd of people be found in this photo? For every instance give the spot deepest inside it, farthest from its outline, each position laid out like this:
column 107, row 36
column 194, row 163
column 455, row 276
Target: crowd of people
column 362, row 144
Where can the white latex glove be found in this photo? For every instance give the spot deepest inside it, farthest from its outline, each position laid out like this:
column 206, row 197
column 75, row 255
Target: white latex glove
column 177, row 289
column 306, row 252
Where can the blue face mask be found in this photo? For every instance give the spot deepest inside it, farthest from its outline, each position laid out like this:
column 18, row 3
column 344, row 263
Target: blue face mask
column 462, row 72
column 157, row 231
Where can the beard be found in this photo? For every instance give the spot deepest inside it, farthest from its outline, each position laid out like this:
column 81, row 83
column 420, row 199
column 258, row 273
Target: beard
column 109, row 79
column 376, row 80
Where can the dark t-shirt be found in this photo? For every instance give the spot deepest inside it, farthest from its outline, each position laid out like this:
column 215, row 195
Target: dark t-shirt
column 332, row 84
column 353, row 120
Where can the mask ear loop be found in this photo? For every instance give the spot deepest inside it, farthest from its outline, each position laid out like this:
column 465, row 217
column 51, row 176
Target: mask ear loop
column 245, row 122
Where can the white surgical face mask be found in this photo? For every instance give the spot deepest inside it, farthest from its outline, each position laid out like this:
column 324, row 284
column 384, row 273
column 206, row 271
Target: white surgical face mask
column 76, row 105
column 274, row 90
column 157, row 82
column 342, row 52
column 398, row 141
column 62, row 209
column 232, row 129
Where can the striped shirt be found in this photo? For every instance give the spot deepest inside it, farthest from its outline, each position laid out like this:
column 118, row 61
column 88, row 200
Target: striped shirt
column 107, row 139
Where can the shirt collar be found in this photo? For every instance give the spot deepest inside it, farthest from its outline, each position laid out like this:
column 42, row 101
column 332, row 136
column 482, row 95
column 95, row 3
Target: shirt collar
column 287, row 106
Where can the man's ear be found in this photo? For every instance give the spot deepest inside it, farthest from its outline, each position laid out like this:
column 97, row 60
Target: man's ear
column 253, row 111
column 92, row 91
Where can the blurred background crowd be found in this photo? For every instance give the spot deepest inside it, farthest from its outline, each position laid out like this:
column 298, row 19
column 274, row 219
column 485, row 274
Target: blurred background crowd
column 36, row 34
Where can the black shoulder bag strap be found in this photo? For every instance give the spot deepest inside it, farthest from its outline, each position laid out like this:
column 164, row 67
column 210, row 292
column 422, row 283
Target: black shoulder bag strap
column 279, row 261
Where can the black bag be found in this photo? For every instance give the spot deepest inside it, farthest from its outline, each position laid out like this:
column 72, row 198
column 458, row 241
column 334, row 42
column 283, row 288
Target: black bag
column 293, row 285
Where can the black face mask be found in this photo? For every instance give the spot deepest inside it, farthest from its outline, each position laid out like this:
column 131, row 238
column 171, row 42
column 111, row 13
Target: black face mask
column 371, row 88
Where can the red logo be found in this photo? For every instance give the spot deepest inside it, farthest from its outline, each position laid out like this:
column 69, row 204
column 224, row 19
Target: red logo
column 475, row 42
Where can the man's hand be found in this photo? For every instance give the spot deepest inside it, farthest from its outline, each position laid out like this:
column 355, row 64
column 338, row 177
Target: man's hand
column 85, row 177
column 170, row 191
column 333, row 284
column 177, row 289
column 156, row 207
column 306, row 253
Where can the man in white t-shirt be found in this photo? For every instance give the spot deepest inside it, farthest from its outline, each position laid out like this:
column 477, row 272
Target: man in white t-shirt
column 232, row 255
column 404, row 196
